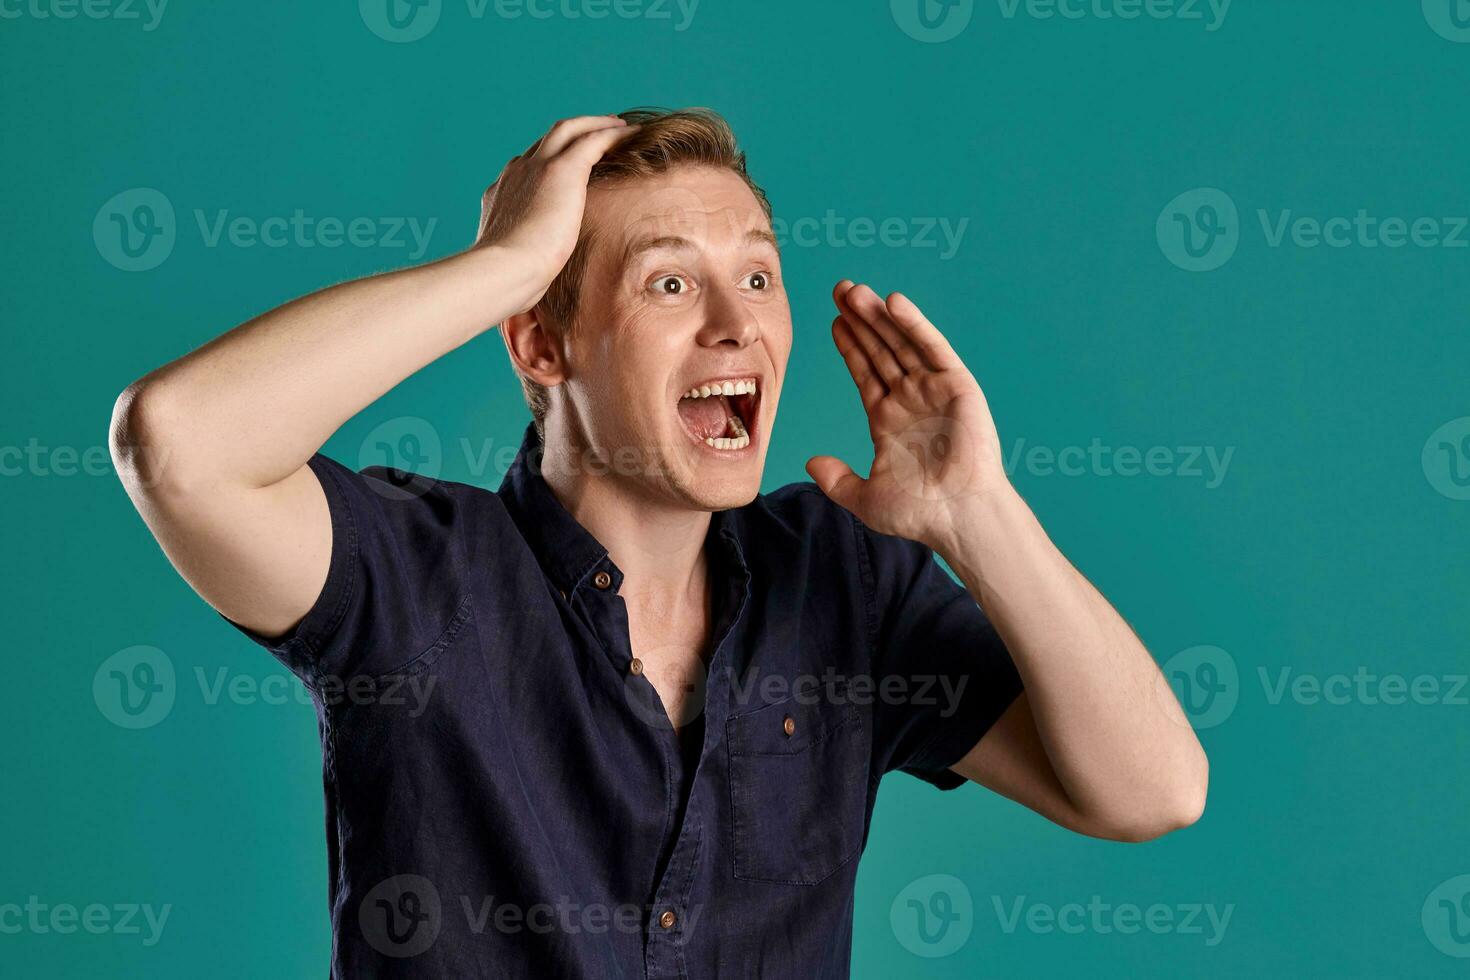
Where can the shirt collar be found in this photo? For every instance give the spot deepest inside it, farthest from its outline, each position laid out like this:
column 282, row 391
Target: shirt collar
column 564, row 548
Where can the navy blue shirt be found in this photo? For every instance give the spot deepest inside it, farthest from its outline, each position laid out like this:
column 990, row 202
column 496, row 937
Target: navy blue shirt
column 506, row 796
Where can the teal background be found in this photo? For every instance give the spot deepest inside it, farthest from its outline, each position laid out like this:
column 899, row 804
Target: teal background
column 1325, row 548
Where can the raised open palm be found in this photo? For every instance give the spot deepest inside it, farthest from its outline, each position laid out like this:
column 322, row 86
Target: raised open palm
column 935, row 447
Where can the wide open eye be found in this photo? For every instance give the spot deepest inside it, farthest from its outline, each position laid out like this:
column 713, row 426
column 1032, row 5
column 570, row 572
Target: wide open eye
column 759, row 280
column 669, row 285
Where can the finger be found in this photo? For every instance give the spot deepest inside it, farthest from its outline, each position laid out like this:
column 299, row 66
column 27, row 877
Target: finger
column 924, row 335
column 840, row 290
column 862, row 303
column 565, row 131
column 879, row 353
column 870, row 388
column 836, row 479
column 588, row 148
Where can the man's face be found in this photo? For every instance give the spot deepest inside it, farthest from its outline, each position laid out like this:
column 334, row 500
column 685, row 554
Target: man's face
column 682, row 300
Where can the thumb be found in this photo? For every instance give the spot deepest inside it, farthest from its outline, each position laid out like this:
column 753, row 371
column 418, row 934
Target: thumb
column 837, row 480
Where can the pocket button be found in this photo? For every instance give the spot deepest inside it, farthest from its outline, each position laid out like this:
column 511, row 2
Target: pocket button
column 789, row 726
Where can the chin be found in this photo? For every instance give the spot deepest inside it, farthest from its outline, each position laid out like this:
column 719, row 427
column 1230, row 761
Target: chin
column 701, row 483
column 713, row 493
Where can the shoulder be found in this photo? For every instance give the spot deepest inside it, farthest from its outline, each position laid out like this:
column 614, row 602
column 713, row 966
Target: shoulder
column 400, row 489
column 797, row 528
column 416, row 512
column 798, row 521
column 799, row 509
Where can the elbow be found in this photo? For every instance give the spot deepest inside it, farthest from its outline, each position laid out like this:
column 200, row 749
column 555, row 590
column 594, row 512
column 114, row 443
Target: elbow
column 1180, row 807
column 1166, row 819
column 142, row 439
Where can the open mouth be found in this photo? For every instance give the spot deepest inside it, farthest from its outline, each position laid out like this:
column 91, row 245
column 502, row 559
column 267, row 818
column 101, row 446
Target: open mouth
column 722, row 412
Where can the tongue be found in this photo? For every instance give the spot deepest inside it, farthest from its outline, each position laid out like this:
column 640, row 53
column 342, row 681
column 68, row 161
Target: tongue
column 707, row 418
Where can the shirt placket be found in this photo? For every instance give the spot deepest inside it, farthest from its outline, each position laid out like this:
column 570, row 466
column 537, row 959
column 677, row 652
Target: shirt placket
column 596, row 593
column 675, row 910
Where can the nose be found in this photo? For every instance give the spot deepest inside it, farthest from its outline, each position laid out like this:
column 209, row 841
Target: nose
column 728, row 322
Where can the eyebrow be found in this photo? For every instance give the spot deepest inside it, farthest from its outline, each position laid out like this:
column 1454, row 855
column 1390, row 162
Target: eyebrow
column 676, row 243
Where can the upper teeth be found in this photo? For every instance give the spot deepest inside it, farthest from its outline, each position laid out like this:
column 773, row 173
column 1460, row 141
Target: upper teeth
column 745, row 386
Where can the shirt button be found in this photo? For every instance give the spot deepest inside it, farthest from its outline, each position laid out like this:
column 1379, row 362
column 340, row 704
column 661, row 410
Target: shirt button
column 668, row 919
column 602, row 580
column 789, row 725
column 636, row 667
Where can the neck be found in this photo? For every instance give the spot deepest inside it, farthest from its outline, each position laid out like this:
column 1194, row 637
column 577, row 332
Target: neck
column 658, row 547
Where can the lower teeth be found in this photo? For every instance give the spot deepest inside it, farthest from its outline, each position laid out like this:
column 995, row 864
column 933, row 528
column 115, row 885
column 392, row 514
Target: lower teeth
column 740, row 440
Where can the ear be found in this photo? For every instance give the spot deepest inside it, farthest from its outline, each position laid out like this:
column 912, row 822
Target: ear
column 532, row 348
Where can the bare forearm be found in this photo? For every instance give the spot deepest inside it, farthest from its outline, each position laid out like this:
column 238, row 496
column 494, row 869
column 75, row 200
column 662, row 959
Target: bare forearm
column 1117, row 741
column 250, row 407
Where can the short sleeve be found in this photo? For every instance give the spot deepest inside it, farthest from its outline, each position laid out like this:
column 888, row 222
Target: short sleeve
column 396, row 580
column 947, row 673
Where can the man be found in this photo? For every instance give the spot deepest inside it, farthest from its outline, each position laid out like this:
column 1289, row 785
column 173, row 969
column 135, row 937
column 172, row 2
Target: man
column 658, row 704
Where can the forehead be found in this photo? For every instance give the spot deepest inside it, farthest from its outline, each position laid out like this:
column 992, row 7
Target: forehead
column 706, row 206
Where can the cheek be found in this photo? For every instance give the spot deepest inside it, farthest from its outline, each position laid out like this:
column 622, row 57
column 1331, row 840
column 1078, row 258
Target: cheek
column 777, row 336
column 626, row 366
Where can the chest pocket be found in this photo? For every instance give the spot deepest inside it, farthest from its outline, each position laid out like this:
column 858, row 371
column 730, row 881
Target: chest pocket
column 798, row 789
